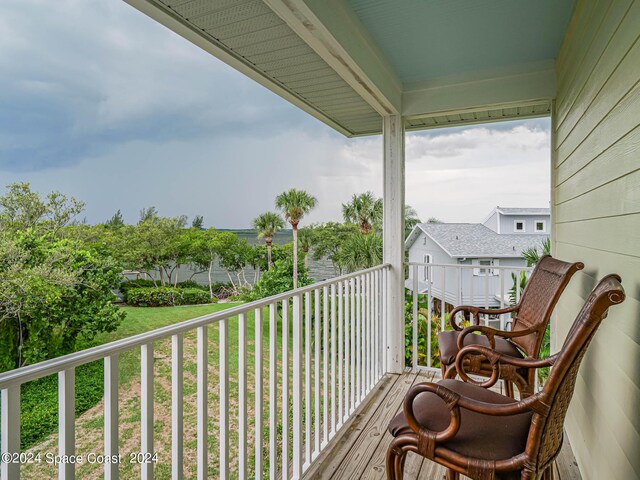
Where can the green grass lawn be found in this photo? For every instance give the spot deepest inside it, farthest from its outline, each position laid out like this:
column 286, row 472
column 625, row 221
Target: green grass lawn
column 39, row 399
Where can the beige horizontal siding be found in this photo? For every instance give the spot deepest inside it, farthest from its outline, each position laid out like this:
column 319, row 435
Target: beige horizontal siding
column 596, row 219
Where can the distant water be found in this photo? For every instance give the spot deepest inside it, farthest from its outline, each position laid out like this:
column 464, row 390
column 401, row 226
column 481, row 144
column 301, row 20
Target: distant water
column 320, row 270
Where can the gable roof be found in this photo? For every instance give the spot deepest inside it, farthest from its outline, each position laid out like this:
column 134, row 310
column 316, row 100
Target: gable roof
column 475, row 240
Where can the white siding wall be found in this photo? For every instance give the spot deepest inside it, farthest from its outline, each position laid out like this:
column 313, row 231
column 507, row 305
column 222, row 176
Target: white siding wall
column 596, row 211
column 507, row 224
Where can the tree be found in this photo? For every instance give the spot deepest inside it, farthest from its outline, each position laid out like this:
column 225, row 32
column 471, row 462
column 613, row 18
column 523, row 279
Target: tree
column 116, row 221
column 147, row 214
column 267, row 225
column 360, row 251
column 305, row 237
column 532, row 256
column 434, row 220
column 54, row 287
column 21, row 209
column 295, row 204
column 198, row 222
column 411, row 219
column 328, row 239
column 364, row 210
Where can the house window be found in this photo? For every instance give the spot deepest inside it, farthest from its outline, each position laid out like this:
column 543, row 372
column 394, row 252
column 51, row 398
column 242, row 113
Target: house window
column 541, row 226
column 518, row 225
column 425, row 274
column 482, row 270
column 424, row 240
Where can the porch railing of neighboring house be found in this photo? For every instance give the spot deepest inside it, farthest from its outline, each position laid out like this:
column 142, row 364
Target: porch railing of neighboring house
column 321, row 353
column 437, row 288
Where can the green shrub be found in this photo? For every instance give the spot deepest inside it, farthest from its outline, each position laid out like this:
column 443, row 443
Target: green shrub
column 153, row 297
column 192, row 284
column 129, row 284
column 193, row 296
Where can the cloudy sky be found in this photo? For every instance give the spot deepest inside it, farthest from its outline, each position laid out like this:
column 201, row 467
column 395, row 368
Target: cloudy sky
column 100, row 102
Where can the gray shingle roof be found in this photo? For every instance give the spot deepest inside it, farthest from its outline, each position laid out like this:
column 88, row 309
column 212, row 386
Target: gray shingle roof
column 476, row 240
column 524, row 211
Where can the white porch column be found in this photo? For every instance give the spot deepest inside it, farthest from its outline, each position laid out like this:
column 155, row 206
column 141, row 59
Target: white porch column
column 393, row 237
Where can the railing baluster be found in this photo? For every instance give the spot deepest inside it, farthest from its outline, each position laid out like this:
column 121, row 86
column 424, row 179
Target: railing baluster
column 347, row 352
column 429, row 310
column 242, row 396
column 111, row 415
column 358, row 345
column 486, row 295
column 368, row 331
column 297, row 387
column 444, row 294
column 332, row 412
column 146, row 406
column 273, row 390
column 384, row 321
column 307, row 379
column 285, row 389
column 66, row 422
column 414, row 324
column 177, row 411
column 340, row 353
column 376, row 304
column 316, row 373
column 325, row 365
column 202, row 404
column 10, row 431
column 259, row 392
column 501, row 280
column 223, row 350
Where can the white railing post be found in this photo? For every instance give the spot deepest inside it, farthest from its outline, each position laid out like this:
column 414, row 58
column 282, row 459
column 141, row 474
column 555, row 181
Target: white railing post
column 242, row 396
column 67, row 422
column 348, row 318
column 202, row 408
column 393, row 237
column 297, row 387
column 325, row 365
column 223, row 350
column 316, row 374
column 10, row 432
column 285, row 389
column 414, row 324
column 273, row 389
column 177, row 411
column 307, row 379
column 332, row 411
column 146, row 407
column 340, row 354
column 259, row 392
column 111, row 422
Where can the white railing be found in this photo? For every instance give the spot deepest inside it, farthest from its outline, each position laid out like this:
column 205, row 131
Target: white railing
column 442, row 286
column 325, row 355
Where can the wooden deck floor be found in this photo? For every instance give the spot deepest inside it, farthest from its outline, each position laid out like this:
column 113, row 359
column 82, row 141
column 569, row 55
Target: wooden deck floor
column 358, row 450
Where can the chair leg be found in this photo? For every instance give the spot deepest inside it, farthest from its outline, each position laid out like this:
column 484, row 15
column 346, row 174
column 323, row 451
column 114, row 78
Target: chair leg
column 508, row 389
column 548, row 473
column 395, row 463
column 451, row 475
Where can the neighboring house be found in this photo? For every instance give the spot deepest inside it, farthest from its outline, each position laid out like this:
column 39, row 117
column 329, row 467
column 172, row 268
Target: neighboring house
column 473, row 251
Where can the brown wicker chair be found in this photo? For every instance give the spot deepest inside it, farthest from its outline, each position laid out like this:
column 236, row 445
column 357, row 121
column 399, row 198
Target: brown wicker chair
column 485, row 435
column 532, row 313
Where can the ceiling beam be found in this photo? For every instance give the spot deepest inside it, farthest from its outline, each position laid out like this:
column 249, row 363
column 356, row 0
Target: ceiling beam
column 331, row 29
column 513, row 86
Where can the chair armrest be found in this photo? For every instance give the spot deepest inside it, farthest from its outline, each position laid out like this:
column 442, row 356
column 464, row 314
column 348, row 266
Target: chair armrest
column 451, row 400
column 454, row 401
column 476, row 311
column 497, row 360
column 490, row 333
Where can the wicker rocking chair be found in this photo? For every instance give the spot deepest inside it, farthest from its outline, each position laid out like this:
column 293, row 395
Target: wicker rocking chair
column 485, row 435
column 547, row 282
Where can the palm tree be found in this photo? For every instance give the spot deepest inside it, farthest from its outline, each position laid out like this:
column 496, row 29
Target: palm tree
column 295, row 204
column 361, row 251
column 364, row 210
column 267, row 225
column 411, row 219
column 305, row 237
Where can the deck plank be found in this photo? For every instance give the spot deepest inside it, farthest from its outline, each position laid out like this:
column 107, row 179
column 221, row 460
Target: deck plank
column 358, row 454
column 340, row 446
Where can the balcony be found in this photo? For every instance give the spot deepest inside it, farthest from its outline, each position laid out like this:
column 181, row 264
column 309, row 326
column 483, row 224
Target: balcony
column 312, row 399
